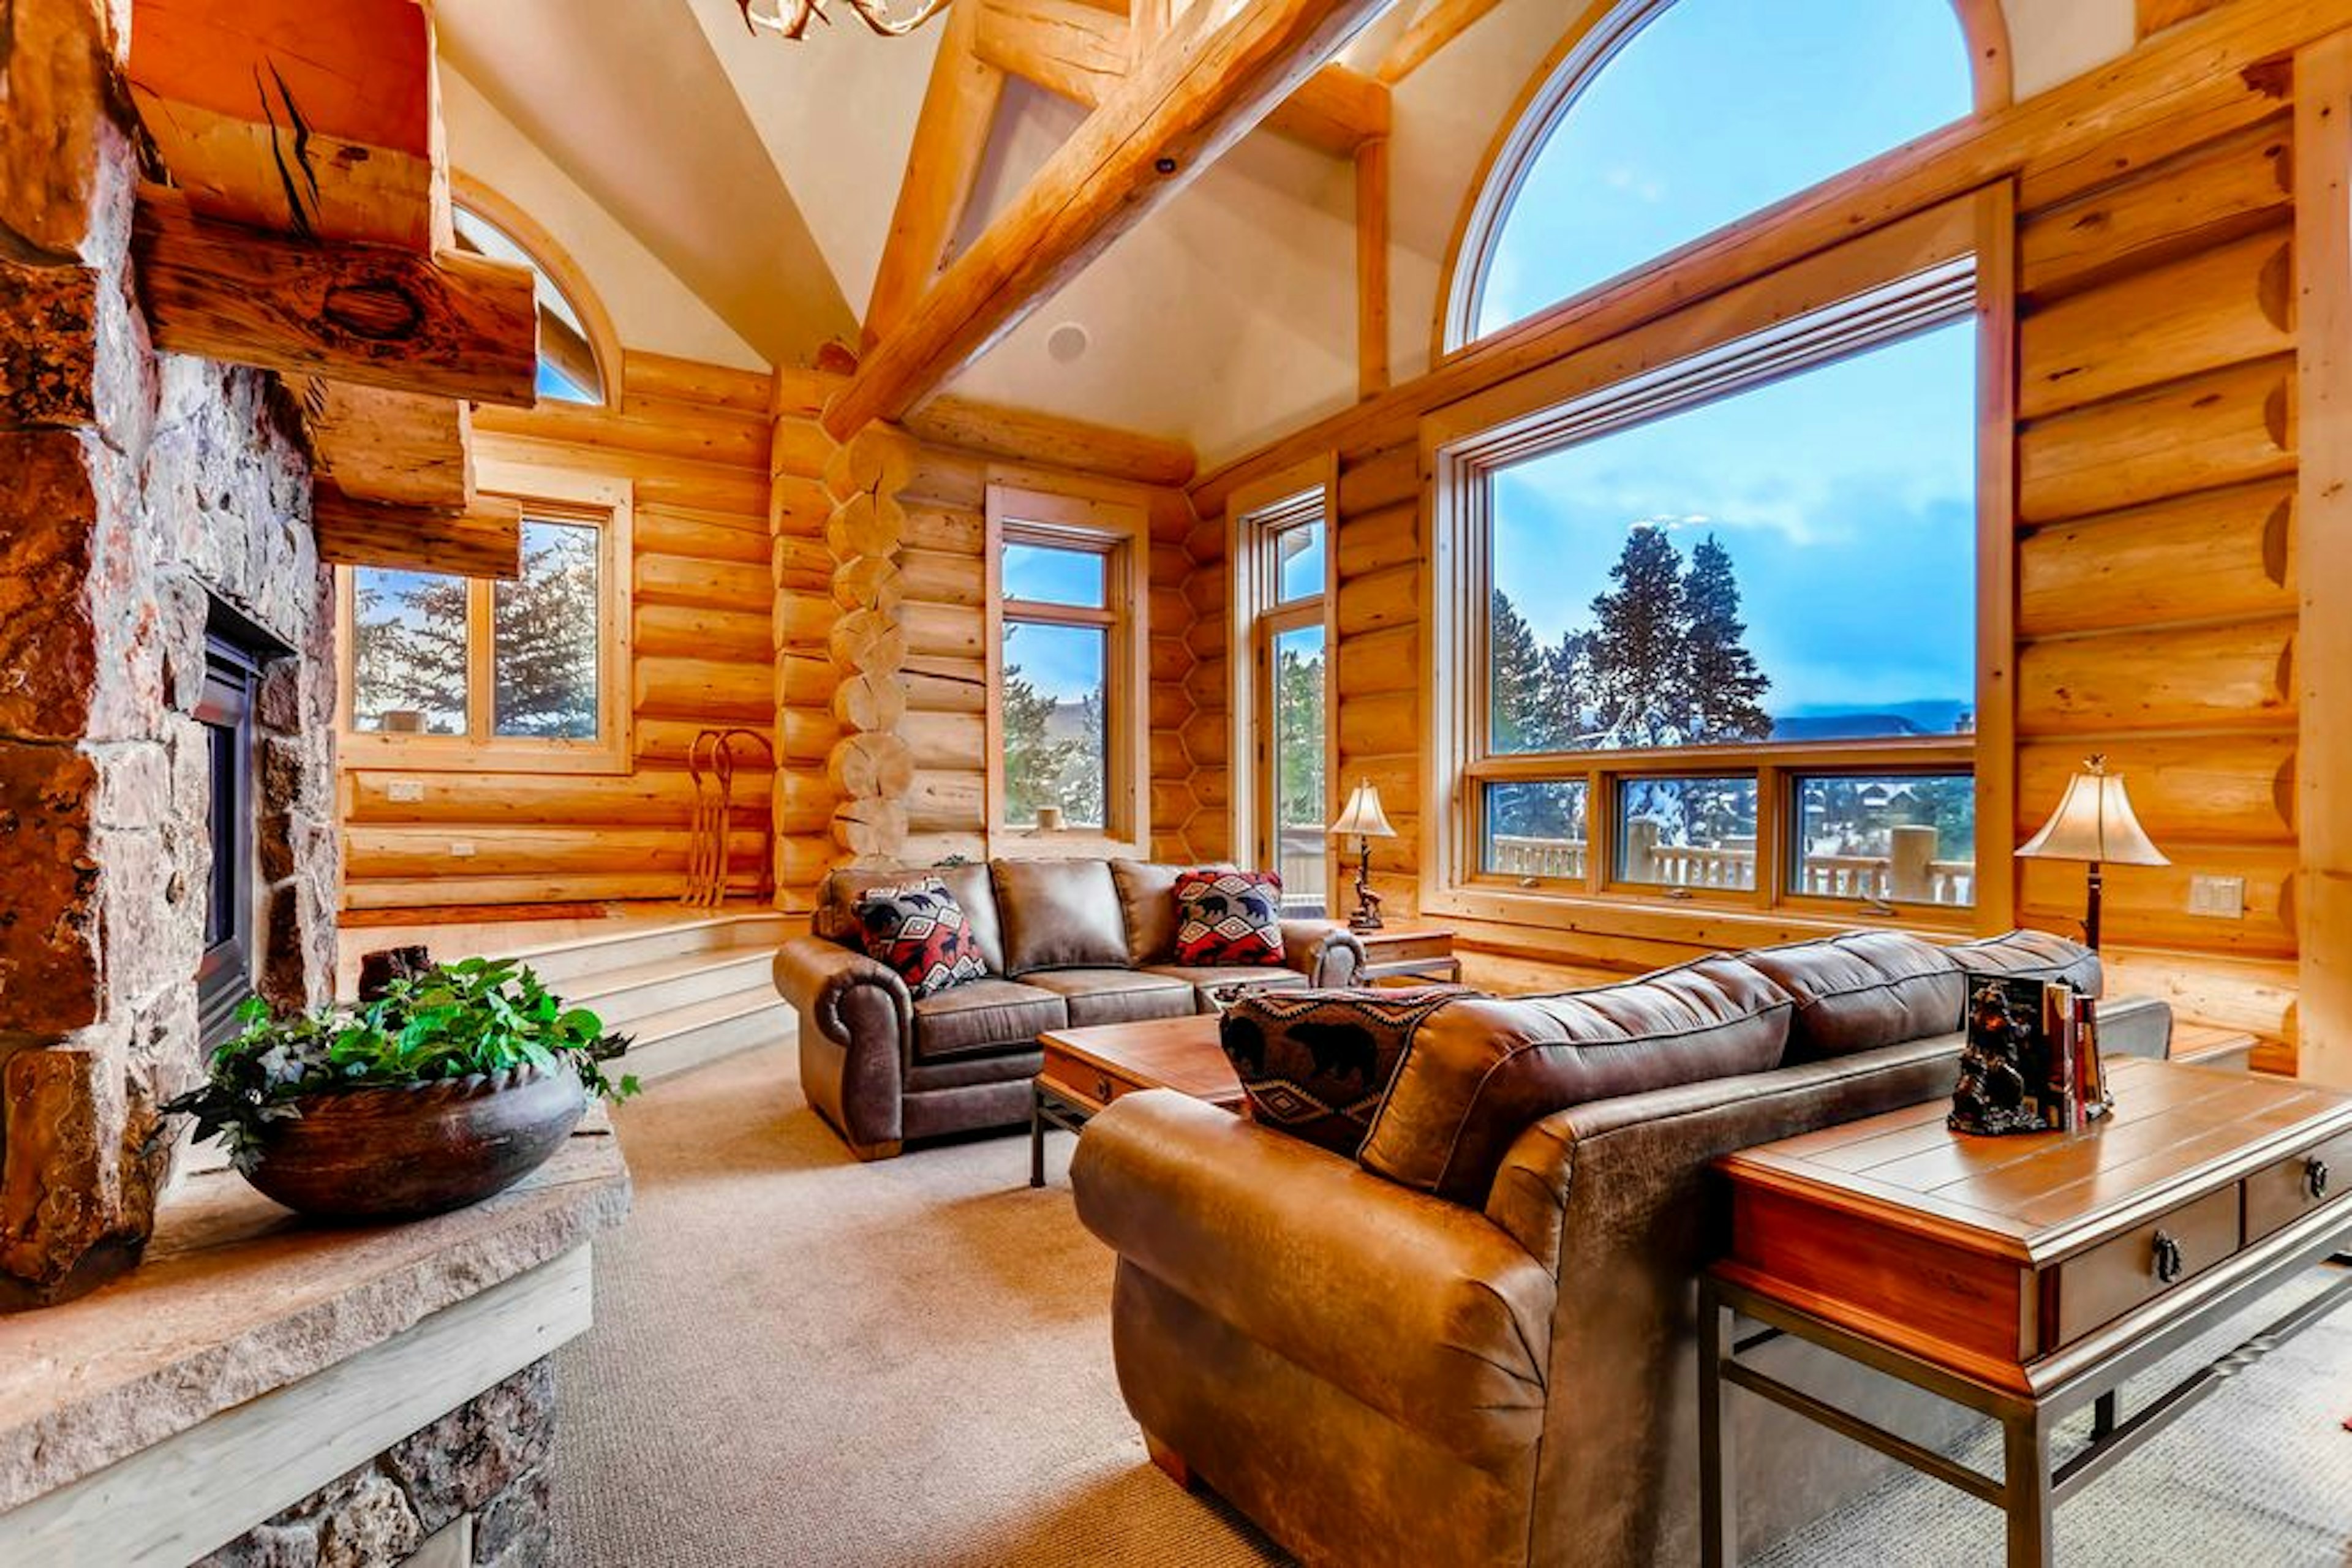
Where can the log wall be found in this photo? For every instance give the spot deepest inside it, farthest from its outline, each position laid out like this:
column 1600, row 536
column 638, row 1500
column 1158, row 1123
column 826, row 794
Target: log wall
column 941, row 621
column 693, row 441
column 2155, row 554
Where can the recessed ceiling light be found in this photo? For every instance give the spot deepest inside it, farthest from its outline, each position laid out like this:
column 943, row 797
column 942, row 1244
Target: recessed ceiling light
column 1067, row 344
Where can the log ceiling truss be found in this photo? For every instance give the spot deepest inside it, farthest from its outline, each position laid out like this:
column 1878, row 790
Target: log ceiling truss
column 302, row 225
column 1170, row 86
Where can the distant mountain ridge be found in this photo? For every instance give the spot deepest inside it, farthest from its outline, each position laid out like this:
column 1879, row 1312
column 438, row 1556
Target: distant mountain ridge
column 1833, row 721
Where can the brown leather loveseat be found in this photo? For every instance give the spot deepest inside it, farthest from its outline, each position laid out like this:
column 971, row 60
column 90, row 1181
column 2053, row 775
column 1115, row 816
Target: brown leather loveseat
column 1473, row 1343
column 1066, row 942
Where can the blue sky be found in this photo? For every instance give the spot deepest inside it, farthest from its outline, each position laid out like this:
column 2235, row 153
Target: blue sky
column 1846, row 497
column 1798, row 89
column 1065, row 661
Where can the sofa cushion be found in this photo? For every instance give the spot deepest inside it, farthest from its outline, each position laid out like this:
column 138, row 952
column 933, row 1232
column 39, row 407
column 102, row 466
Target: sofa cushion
column 1864, row 990
column 835, row 919
column 1113, row 996
column 921, row 932
column 985, row 1016
column 1315, row 1064
column 1227, row 918
column 1214, row 977
column 1147, row 897
column 1479, row 1069
column 1059, row 914
column 2030, row 955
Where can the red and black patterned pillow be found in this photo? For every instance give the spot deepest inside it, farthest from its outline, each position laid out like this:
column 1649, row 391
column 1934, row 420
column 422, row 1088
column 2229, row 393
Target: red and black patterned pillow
column 1318, row 1064
column 920, row 931
column 1228, row 918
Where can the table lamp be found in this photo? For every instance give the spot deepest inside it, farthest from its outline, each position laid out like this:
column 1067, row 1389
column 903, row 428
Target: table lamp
column 1363, row 821
column 2093, row 823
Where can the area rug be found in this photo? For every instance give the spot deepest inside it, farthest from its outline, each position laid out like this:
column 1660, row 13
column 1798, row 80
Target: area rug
column 801, row 1360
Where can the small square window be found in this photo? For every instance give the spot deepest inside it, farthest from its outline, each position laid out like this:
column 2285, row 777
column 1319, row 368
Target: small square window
column 1688, row 832
column 1907, row 838
column 1298, row 563
column 1049, row 574
column 1536, row 830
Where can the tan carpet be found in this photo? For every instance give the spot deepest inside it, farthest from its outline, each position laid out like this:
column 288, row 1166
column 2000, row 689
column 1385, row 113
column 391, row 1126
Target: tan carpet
column 800, row 1360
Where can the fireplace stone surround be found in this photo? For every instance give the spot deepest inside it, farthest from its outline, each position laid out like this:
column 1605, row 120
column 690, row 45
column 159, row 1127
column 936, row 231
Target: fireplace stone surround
column 141, row 490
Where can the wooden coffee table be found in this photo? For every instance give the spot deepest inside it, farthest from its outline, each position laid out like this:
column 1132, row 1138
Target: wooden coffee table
column 1087, row 1068
column 2026, row 1276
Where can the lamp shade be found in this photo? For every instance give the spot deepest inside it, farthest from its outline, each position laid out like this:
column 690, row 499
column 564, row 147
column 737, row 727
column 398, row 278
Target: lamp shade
column 2094, row 822
column 1363, row 818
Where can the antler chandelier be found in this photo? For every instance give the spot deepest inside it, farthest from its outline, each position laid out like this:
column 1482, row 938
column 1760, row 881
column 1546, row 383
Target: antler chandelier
column 792, row 17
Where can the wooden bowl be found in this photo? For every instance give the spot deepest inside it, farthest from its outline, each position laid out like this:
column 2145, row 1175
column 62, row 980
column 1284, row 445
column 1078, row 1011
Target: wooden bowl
column 405, row 1151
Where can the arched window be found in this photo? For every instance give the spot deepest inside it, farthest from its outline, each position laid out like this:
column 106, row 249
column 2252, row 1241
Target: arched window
column 1670, row 119
column 574, row 338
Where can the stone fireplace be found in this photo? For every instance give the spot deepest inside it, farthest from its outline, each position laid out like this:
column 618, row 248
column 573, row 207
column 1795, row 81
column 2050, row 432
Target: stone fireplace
column 156, row 508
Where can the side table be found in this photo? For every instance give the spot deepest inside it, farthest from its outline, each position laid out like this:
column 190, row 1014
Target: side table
column 1420, row 952
column 2026, row 1276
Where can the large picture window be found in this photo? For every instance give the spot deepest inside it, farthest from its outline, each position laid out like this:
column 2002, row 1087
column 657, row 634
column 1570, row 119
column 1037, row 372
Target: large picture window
column 1717, row 616
column 448, row 671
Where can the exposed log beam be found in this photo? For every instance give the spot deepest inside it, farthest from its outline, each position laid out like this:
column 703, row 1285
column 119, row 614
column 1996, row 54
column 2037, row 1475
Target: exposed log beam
column 393, row 447
column 950, row 140
column 484, row 541
column 1431, row 31
column 298, row 117
column 1083, row 53
column 452, row 324
column 1018, row 435
column 1199, row 93
column 1372, row 268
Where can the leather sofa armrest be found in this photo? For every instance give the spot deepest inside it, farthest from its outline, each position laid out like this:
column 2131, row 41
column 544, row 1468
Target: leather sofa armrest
column 1684, row 1128
column 1417, row 1307
column 1326, row 952
column 2136, row 1026
column 842, row 992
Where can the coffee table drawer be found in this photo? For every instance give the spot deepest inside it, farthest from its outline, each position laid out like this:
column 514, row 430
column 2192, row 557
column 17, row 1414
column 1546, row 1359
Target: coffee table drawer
column 2143, row 1263
column 2293, row 1187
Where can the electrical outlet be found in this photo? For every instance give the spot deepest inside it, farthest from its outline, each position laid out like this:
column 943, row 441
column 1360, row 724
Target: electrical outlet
column 405, row 792
column 2221, row 898
column 461, row 849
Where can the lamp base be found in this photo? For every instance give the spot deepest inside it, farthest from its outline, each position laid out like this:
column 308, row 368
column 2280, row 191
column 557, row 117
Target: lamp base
column 1366, row 919
column 1368, row 903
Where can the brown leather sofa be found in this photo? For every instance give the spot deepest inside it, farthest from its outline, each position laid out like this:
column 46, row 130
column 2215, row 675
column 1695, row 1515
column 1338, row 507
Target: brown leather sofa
column 1378, row 1375
column 1067, row 943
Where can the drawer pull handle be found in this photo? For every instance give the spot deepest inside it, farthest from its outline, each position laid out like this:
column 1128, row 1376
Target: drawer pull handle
column 1102, row 1090
column 2315, row 1177
column 2168, row 1263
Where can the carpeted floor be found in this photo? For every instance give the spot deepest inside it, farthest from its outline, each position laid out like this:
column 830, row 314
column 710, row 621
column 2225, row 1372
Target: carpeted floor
column 800, row 1360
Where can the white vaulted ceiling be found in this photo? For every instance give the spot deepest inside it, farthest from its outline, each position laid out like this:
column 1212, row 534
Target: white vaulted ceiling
column 763, row 175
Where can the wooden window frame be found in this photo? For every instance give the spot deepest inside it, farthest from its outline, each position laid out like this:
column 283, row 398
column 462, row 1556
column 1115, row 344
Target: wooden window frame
column 1906, row 275
column 547, row 494
column 1255, row 517
column 1118, row 530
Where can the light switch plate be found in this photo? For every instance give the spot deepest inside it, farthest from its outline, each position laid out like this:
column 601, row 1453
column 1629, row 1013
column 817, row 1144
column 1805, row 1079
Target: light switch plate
column 2221, row 898
column 405, row 792
column 461, row 849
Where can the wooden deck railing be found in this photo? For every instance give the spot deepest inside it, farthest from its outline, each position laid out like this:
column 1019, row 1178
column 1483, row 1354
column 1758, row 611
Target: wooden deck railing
column 1910, row 873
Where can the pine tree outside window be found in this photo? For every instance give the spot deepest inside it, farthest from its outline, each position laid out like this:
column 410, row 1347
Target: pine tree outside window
column 1708, row 627
column 445, row 672
column 1063, row 652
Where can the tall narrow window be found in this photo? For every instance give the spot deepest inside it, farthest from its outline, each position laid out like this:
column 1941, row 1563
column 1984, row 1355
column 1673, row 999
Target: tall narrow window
column 1067, row 702
column 1283, row 564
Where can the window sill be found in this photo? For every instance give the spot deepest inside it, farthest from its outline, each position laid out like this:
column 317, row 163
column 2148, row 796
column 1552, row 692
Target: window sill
column 456, row 754
column 1700, row 923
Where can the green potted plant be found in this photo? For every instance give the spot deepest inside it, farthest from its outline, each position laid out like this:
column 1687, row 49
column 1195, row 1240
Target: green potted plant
column 447, row 1086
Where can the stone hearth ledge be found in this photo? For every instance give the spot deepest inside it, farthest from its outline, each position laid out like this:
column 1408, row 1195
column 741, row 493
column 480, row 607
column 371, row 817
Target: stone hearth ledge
column 239, row 1297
